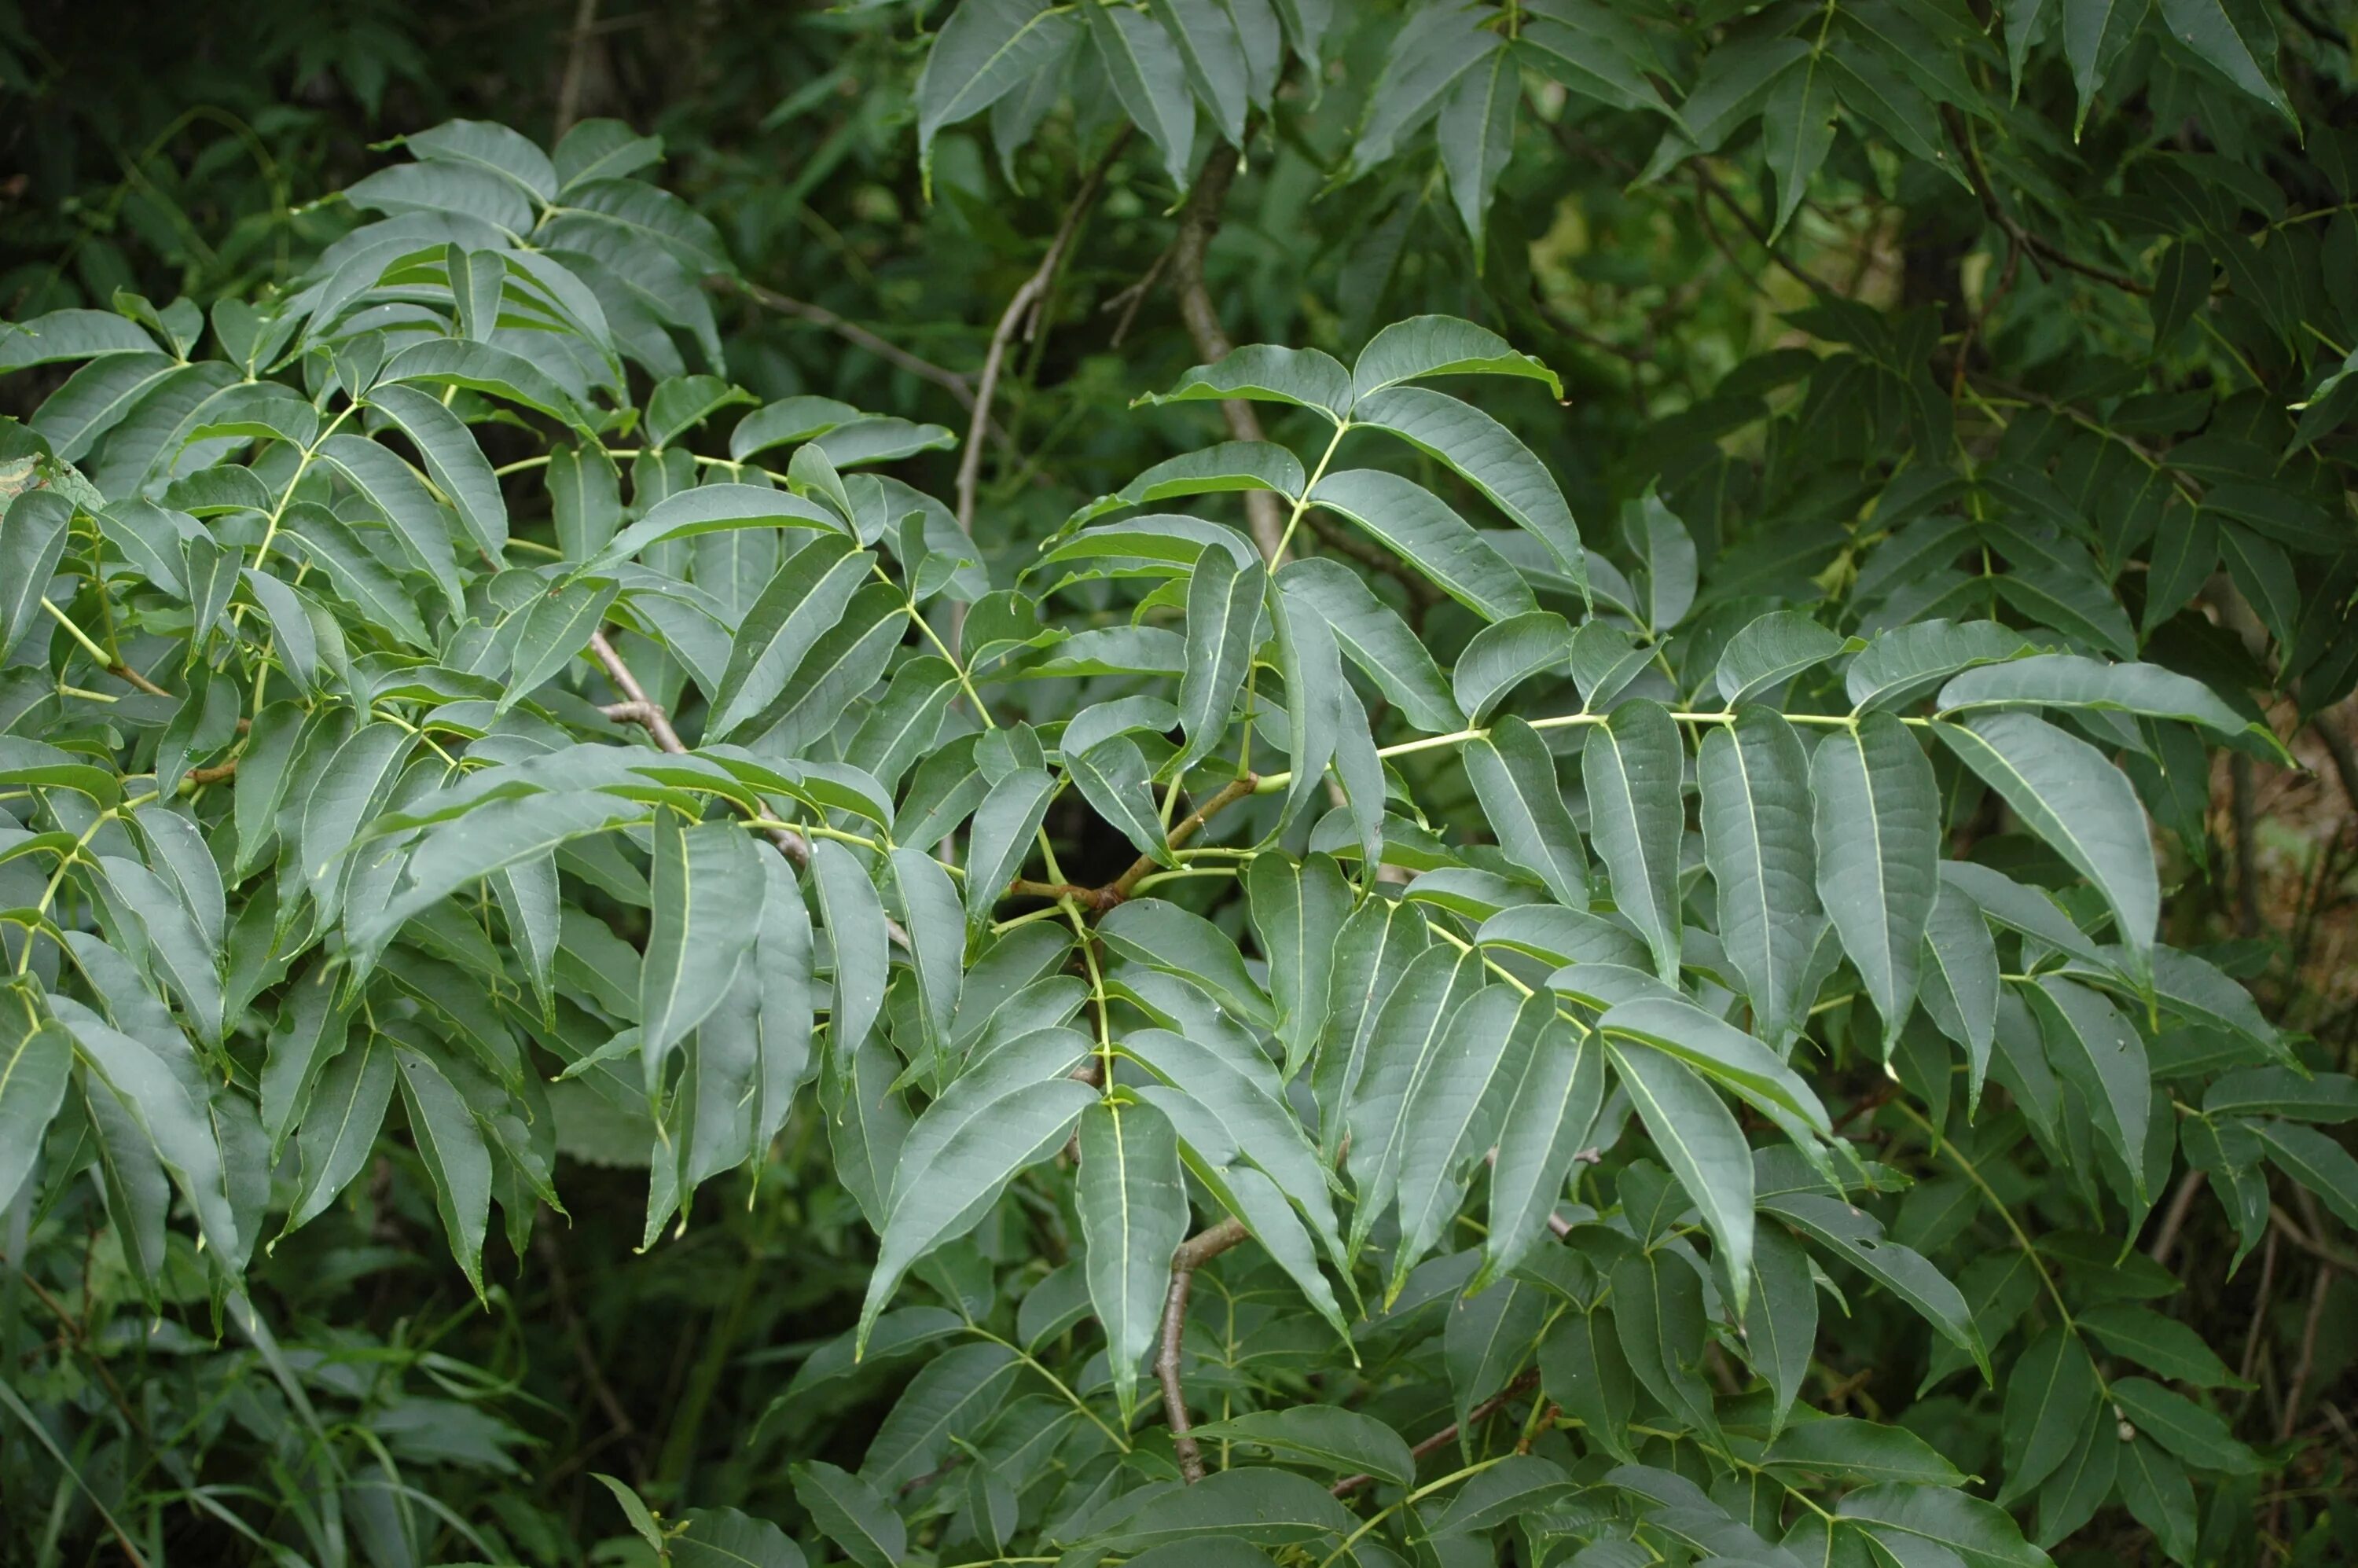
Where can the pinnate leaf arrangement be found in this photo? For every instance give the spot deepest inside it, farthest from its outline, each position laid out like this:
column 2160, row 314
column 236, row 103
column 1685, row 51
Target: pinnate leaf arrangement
column 1435, row 1125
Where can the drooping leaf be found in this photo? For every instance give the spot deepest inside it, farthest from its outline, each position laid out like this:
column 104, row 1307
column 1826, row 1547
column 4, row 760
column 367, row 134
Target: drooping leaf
column 1878, row 833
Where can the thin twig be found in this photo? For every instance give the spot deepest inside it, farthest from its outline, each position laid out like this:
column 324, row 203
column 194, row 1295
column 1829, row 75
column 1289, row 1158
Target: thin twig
column 125, row 672
column 1122, row 887
column 2301, row 1369
column 2181, row 1203
column 577, row 62
column 1193, row 1254
column 1197, row 224
column 1027, row 297
column 1524, row 1382
column 638, row 709
column 2259, row 1305
column 851, row 331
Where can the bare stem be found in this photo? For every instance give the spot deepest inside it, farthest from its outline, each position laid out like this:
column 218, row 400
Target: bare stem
column 1020, row 306
column 1193, row 1254
column 1197, row 224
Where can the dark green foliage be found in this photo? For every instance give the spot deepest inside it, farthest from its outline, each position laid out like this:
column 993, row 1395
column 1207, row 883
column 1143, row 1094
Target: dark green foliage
column 1569, row 948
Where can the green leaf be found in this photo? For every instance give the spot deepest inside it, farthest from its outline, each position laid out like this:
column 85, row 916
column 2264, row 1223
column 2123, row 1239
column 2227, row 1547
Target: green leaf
column 2238, row 41
column 1780, row 1334
column 1004, row 824
column 982, row 53
column 1325, row 1437
column 2049, row 1395
column 1907, row 661
column 1901, row 1516
column 1797, row 130
column 2281, row 1091
column 1857, row 1238
column 1376, row 638
column 1719, row 1051
column 1770, row 651
column 950, row 1195
column 1482, row 451
column 1475, row 134
column 1632, row 766
column 32, row 543
column 1428, row 55
column 724, row 1538
column 1371, row 952
column 1878, row 831
column 2067, row 680
column 1548, row 1114
column 1113, row 777
column 953, row 1396
column 1150, row 79
column 1223, row 617
column 456, row 1159
column 708, row 889
column 1133, row 1208
column 1297, row 909
column 1504, row 655
column 2084, row 808
column 930, row 909
column 850, row 1513
column 1861, row 1451
column 453, row 460
column 2083, row 1483
column 1262, row 373
column 2094, row 33
column 1214, row 59
column 1163, row 936
column 1658, row 1308
column 1402, row 1048
column 2154, row 1488
column 711, row 509
column 1417, row 526
column 556, row 630
column 1758, row 843
column 34, row 1063
column 1457, row 1111
column 1584, row 1371
column 2095, row 1050
column 74, row 334
column 340, row 1126
column 1958, row 982
column 1258, row 1506
column 2161, row 1344
column 1705, row 1148
column 1223, row 469
column 2316, row 1162
column 635, row 1508
column 1514, row 779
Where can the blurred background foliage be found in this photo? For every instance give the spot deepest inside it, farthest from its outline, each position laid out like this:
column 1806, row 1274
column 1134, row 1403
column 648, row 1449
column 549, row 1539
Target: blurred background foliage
column 195, row 150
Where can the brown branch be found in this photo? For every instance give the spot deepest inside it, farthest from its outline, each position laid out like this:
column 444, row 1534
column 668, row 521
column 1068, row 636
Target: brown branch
column 2345, row 761
column 638, row 709
column 1193, row 1254
column 2301, row 1368
column 851, row 331
column 1524, row 1382
column 1197, row 224
column 214, row 774
column 1026, row 301
column 2042, row 250
column 1120, row 888
column 577, row 63
column 122, row 672
column 2181, row 1203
